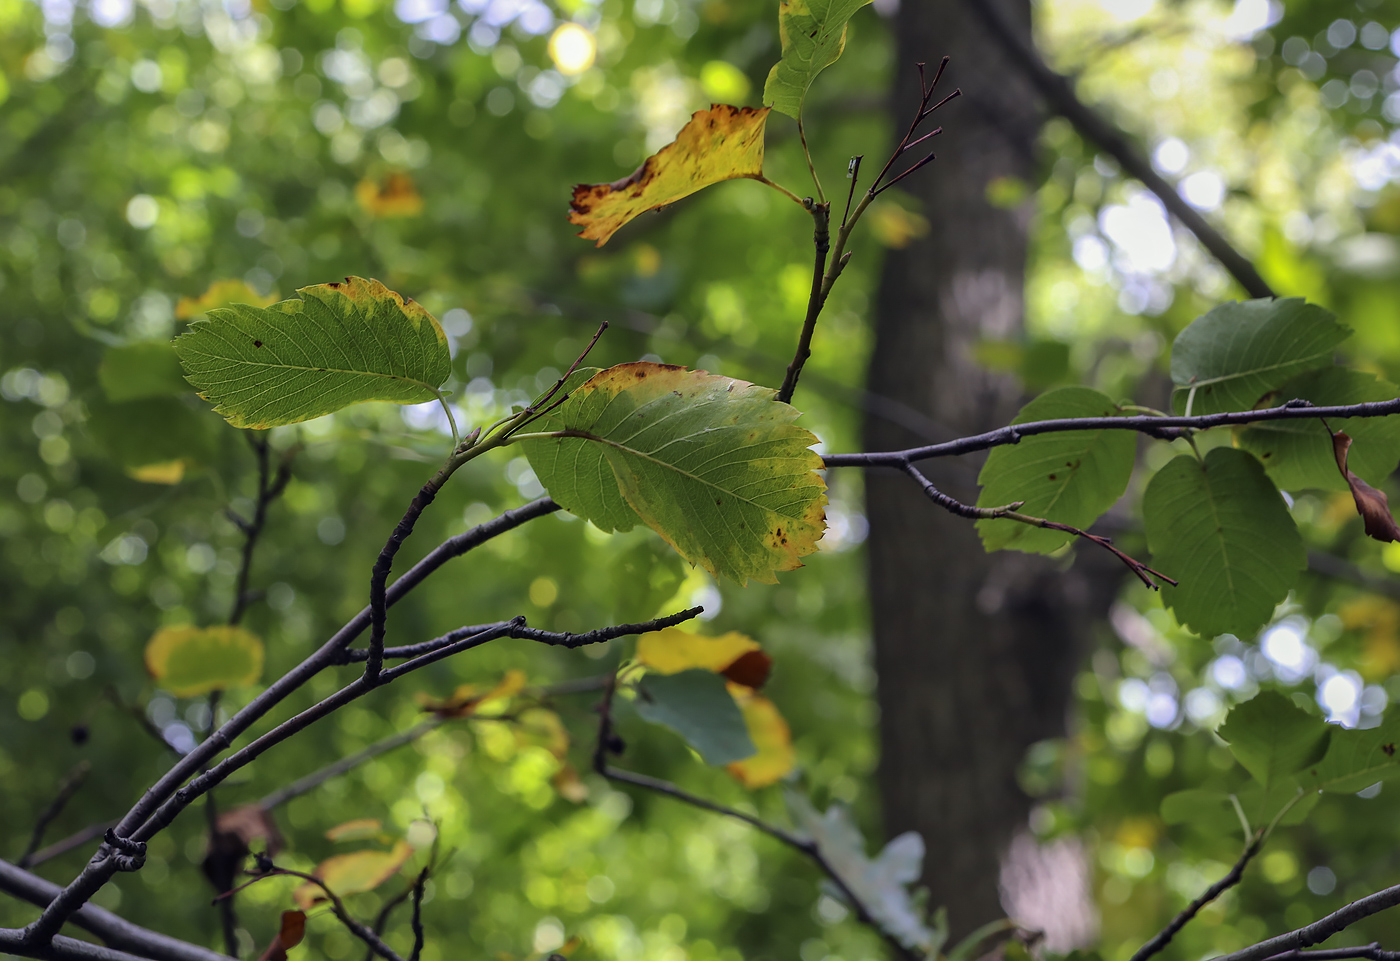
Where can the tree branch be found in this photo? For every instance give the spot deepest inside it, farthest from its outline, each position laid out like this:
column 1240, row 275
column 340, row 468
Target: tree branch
column 1210, row 894
column 1060, row 97
column 1319, row 930
column 66, row 789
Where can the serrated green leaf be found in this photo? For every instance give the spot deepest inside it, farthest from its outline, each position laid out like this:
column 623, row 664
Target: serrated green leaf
column 188, row 661
column 340, row 344
column 713, row 465
column 1211, row 810
column 1357, row 759
column 1298, row 454
column 1238, row 352
column 813, row 34
column 697, row 705
column 1222, row 529
column 144, row 369
column 1071, row 477
column 1274, row 738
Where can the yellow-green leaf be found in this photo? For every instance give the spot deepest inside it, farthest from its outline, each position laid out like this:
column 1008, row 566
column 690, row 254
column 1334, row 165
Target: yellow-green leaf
column 355, row 873
column 813, row 33
column 713, row 465
column 770, row 734
column 188, row 661
column 395, row 195
column 340, row 344
column 673, row 650
column 722, row 143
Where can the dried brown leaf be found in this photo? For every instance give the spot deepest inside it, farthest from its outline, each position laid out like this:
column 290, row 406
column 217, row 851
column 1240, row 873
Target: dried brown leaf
column 1371, row 504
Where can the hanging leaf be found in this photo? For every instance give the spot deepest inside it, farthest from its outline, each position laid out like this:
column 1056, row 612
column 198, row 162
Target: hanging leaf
column 1357, row 759
column 771, row 736
column 1298, row 453
column 144, row 369
column 1223, row 530
column 347, row 874
column 1371, row 504
column 813, row 34
column 697, row 705
column 395, row 195
column 1071, row 477
column 1238, row 352
column 188, row 661
column 712, row 464
column 340, row 344
column 722, row 143
column 221, row 293
column 1274, row 738
column 882, row 885
column 289, row 935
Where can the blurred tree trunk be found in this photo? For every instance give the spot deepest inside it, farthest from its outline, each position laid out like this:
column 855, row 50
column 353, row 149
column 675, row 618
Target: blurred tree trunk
column 975, row 653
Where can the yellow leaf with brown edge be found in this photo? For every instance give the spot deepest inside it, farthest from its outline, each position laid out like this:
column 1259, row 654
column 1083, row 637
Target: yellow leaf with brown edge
column 394, row 195
column 770, row 734
column 188, row 661
column 222, row 293
column 722, row 143
column 673, row 650
column 355, row 873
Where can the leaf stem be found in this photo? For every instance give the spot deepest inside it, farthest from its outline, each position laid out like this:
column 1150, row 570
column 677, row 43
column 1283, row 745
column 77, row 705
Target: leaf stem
column 811, row 167
column 780, row 189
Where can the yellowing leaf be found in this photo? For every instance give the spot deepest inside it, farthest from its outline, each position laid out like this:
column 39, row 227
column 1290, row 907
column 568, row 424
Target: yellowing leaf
column 222, row 293
column 770, row 734
column 673, row 650
column 569, row 785
column 169, row 472
column 813, row 33
column 722, row 143
column 353, row 873
column 360, row 829
column 466, row 701
column 541, row 727
column 395, row 195
column 188, row 661
column 894, row 226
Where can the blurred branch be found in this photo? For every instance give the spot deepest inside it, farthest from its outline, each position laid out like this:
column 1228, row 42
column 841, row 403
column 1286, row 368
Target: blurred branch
column 1341, row 569
column 1210, row 894
column 357, row 928
column 66, row 789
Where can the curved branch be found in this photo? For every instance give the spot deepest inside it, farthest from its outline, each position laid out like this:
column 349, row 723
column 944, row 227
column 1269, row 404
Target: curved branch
column 1210, row 894
column 1321, row 929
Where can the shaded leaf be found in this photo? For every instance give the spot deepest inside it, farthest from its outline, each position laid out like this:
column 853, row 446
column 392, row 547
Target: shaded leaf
column 250, row 823
column 347, row 874
column 394, row 195
column 292, row 930
column 144, row 369
column 188, row 661
column 697, row 705
column 1238, row 352
column 771, row 736
column 1298, row 453
column 221, row 293
column 881, row 884
column 722, row 143
column 1070, row 477
column 1356, row 759
column 1274, row 738
column 360, row 829
column 712, row 464
column 1223, row 530
column 1212, row 812
column 155, row 439
column 1371, row 504
column 813, row 34
column 340, row 344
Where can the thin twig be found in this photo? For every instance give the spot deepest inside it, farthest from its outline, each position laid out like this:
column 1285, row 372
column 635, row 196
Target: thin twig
column 66, row 789
column 358, row 928
column 381, row 920
column 821, row 241
column 1210, row 894
column 417, row 920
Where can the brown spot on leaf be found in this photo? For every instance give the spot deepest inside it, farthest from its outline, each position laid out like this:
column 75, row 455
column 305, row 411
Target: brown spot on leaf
column 1052, row 476
column 750, row 669
column 1388, row 750
column 257, row 343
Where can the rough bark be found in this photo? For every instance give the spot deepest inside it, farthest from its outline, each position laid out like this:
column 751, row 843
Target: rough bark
column 975, row 653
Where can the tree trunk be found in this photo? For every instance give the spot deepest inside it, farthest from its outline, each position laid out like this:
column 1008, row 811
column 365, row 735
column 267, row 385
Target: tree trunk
column 975, row 653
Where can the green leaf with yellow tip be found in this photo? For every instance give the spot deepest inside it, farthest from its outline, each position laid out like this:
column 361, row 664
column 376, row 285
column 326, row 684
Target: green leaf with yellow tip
column 813, row 33
column 712, row 464
column 340, row 344
column 189, row 661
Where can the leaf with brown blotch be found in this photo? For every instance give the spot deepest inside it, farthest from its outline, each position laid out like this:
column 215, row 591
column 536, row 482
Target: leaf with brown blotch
column 1371, row 504
column 722, row 143
column 289, row 936
column 750, row 669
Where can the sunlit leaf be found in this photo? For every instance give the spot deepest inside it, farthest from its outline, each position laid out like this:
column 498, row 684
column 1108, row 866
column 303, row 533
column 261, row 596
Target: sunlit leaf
column 221, row 293
column 140, row 370
column 712, row 464
column 1070, row 477
column 697, row 705
column 360, row 829
column 188, row 661
column 722, row 143
column 1274, row 738
column 1231, row 357
column 347, row 874
column 394, row 195
column 1222, row 529
column 771, row 736
column 340, row 344
column 813, row 34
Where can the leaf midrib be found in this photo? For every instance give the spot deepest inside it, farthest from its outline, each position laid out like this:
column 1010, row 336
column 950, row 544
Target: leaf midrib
column 232, row 362
column 1253, row 371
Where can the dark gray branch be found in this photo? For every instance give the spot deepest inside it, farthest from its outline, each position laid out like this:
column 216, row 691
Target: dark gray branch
column 1320, row 930
column 1210, row 894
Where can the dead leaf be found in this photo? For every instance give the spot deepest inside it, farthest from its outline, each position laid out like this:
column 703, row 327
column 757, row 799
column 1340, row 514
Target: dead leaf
column 750, row 669
column 722, row 143
column 1371, row 504
column 232, row 841
column 292, row 931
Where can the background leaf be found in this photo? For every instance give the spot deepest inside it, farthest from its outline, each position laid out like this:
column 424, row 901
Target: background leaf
column 1356, row 759
column 147, row 368
column 1298, row 454
column 1274, row 738
column 1238, row 352
column 1212, row 812
column 188, row 661
column 341, row 344
column 355, row 873
column 697, row 705
column 712, row 464
column 813, row 33
column 155, row 431
column 1222, row 529
column 1071, row 477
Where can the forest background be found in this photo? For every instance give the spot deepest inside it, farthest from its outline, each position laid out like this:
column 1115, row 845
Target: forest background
column 147, row 150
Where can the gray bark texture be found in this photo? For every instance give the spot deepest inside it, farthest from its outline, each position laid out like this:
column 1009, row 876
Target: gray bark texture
column 975, row 653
